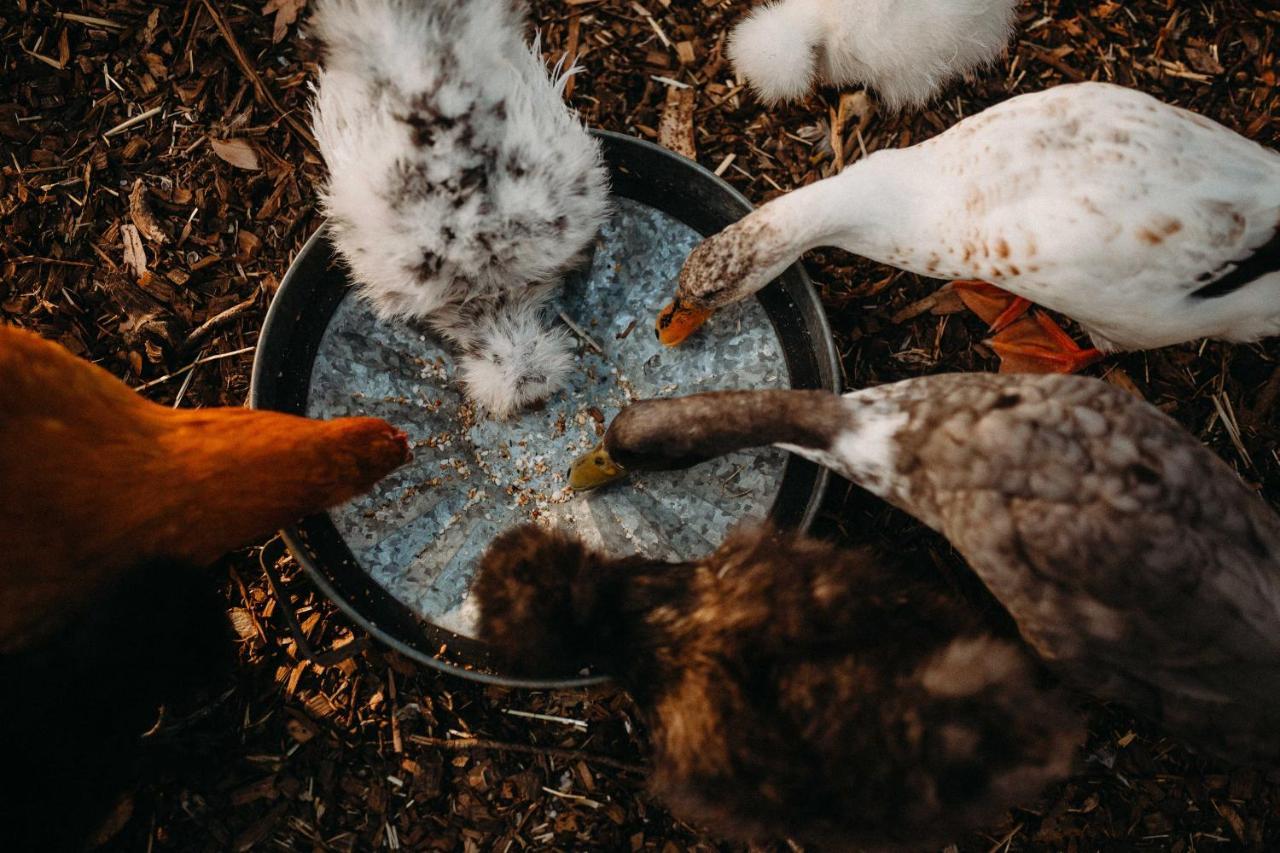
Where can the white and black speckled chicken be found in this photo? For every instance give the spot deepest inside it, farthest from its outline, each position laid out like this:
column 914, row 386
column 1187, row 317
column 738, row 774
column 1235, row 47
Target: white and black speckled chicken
column 460, row 184
column 1134, row 561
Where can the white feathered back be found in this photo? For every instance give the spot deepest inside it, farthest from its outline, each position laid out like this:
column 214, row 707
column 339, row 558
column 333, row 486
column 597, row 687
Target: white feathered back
column 904, row 49
column 450, row 153
column 458, row 178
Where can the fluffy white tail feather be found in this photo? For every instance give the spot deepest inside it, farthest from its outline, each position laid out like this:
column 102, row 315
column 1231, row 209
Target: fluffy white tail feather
column 515, row 360
column 775, row 47
column 905, row 50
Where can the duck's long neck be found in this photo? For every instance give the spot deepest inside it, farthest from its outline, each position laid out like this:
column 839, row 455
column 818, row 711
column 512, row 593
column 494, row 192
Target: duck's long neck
column 856, row 435
column 869, row 209
column 858, row 210
column 683, row 431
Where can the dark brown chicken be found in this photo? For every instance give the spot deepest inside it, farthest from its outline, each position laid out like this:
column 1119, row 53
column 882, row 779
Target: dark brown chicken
column 792, row 689
column 109, row 504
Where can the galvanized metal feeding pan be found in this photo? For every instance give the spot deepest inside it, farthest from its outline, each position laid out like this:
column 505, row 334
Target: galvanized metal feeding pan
column 400, row 560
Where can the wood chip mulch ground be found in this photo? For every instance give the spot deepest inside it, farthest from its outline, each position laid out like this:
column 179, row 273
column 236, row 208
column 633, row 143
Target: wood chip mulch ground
column 156, row 178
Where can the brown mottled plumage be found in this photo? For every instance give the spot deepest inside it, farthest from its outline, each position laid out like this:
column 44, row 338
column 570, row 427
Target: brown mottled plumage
column 1132, row 558
column 792, row 689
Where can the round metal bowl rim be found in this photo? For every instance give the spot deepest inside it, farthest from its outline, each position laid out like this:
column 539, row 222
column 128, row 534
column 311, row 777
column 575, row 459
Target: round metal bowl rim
column 824, row 351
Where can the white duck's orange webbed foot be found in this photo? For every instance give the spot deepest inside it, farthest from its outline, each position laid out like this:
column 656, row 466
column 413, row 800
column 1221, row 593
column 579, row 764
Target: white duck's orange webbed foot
column 1025, row 344
column 1017, row 308
column 998, row 308
column 1036, row 344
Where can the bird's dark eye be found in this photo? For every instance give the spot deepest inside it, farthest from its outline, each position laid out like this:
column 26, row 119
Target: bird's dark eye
column 599, row 461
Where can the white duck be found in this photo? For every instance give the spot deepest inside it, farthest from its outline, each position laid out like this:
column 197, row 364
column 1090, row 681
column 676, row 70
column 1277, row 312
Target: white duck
column 904, row 49
column 1133, row 560
column 460, row 184
column 1148, row 224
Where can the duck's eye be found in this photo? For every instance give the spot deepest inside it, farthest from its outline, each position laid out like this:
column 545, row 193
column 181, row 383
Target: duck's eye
column 599, row 461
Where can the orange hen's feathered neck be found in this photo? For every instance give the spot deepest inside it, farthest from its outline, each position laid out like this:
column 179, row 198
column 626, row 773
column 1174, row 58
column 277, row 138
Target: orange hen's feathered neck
column 96, row 479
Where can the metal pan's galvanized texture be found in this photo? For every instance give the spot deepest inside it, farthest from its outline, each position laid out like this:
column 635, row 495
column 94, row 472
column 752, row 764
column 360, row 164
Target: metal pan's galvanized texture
column 420, row 532
column 400, row 560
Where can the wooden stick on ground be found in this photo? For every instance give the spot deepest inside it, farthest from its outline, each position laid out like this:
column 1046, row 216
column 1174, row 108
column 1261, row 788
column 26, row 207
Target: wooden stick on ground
column 208, row 326
column 464, row 744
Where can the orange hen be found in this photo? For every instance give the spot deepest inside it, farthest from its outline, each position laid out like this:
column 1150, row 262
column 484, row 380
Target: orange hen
column 95, row 479
column 107, row 502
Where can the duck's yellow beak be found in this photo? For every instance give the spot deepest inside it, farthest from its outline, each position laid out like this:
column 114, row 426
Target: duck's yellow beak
column 677, row 322
column 594, row 469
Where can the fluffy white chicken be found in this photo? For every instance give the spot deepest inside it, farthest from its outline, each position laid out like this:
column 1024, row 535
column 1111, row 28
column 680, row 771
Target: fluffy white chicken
column 904, row 49
column 460, row 184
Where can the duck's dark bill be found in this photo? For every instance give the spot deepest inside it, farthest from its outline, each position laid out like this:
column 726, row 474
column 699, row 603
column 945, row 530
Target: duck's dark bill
column 594, row 469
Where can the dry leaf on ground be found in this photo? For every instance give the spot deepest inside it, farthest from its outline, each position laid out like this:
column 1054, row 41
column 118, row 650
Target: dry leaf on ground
column 286, row 13
column 238, row 152
column 135, row 257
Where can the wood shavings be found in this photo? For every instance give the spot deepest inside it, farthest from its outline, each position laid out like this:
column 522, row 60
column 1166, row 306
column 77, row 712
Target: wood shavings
column 135, row 257
column 57, row 258
column 675, row 130
column 141, row 216
column 286, row 12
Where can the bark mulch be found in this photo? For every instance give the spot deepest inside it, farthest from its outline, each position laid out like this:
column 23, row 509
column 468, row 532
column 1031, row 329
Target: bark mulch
column 156, row 177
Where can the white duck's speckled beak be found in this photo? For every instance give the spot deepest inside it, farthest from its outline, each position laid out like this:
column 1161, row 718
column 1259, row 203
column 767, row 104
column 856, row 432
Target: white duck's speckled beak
column 677, row 321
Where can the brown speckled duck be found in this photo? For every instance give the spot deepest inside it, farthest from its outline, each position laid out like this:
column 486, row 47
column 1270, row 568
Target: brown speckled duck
column 1131, row 557
column 793, row 689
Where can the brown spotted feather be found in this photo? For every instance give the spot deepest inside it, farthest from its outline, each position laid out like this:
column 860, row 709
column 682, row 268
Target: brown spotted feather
column 1131, row 556
column 1132, row 559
